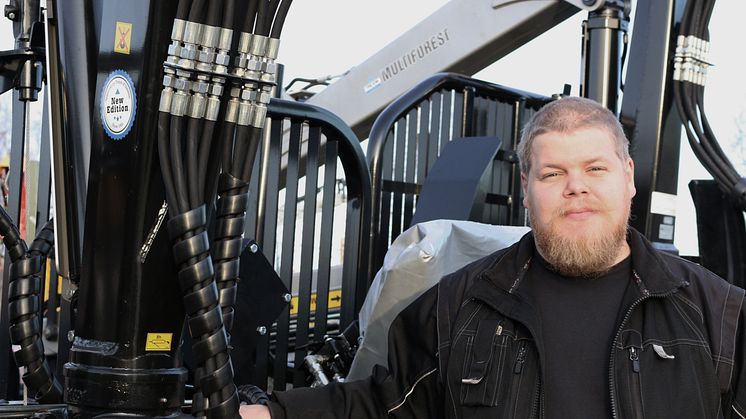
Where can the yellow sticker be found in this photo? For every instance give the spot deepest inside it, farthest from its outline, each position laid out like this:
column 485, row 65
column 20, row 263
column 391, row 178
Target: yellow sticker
column 158, row 342
column 335, row 301
column 123, row 37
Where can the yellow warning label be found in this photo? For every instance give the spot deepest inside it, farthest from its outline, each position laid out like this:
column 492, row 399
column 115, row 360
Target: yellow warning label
column 335, row 301
column 158, row 342
column 123, row 37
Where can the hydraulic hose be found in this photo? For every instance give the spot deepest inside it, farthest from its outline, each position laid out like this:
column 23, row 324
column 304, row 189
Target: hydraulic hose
column 251, row 14
column 279, row 22
column 24, row 305
column 177, row 164
column 206, row 152
column 182, row 10
column 163, row 150
column 191, row 248
column 194, row 130
column 690, row 69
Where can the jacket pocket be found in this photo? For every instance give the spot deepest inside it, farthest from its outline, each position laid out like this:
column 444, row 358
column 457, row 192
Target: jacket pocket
column 484, row 360
column 497, row 367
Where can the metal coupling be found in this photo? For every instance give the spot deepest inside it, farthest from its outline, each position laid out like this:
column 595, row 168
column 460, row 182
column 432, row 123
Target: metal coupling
column 197, row 106
column 210, row 36
column 258, row 45
column 182, row 84
column 231, row 111
column 174, row 52
column 259, row 117
column 206, row 60
column 193, row 33
column 179, row 103
column 213, row 108
column 169, row 78
column 225, row 39
column 245, row 113
column 167, row 95
column 177, row 31
column 216, row 88
column 200, row 86
column 273, row 48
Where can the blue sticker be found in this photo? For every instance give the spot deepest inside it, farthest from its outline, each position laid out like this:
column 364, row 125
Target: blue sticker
column 118, row 104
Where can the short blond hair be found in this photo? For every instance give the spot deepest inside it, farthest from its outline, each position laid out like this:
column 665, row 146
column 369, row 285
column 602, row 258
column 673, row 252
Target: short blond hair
column 568, row 115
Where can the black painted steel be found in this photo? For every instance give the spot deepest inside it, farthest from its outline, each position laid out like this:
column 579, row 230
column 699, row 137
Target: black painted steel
column 126, row 351
column 440, row 108
column 721, row 231
column 649, row 117
column 604, row 40
column 306, row 142
column 455, row 188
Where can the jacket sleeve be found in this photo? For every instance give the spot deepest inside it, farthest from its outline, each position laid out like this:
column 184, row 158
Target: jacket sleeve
column 735, row 400
column 408, row 388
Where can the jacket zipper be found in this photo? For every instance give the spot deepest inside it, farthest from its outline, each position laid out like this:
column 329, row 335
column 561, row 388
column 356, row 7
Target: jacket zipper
column 520, row 360
column 645, row 295
column 637, row 387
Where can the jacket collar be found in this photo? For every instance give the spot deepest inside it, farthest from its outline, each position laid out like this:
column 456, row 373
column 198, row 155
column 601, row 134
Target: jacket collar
column 651, row 272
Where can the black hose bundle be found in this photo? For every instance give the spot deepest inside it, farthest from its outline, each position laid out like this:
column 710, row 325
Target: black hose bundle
column 24, row 306
column 193, row 148
column 690, row 70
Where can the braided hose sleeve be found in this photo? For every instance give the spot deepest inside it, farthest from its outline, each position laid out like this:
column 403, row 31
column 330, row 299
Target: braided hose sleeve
column 44, row 241
column 191, row 249
column 11, row 237
column 25, row 328
column 233, row 199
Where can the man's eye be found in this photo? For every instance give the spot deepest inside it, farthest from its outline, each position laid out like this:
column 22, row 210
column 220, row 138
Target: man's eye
column 549, row 175
column 597, row 169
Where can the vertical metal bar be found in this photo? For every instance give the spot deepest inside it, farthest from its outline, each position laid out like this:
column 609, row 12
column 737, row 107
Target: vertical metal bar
column 326, row 237
column 488, row 108
column 423, row 138
column 269, row 191
column 305, row 279
column 515, row 172
column 458, row 115
column 411, row 158
column 45, row 168
column 288, row 243
column 467, row 114
column 386, row 194
column 399, row 159
column 350, row 274
column 252, row 210
column 446, row 116
column 433, row 144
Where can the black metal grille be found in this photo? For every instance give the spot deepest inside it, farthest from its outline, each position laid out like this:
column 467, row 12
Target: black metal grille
column 297, row 191
column 409, row 135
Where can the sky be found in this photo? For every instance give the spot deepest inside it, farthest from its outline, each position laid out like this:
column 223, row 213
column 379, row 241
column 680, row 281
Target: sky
column 328, row 37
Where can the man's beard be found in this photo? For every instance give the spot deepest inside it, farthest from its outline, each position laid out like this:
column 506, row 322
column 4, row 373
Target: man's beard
column 587, row 256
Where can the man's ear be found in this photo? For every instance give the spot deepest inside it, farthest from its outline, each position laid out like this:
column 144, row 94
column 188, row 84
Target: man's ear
column 630, row 172
column 524, row 186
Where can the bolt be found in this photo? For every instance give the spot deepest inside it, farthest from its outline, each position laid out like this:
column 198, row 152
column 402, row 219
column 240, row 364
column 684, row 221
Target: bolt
column 254, row 248
column 163, row 400
column 70, row 335
column 287, row 298
column 261, row 330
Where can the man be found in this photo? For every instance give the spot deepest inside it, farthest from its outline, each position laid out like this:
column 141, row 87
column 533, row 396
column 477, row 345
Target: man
column 582, row 318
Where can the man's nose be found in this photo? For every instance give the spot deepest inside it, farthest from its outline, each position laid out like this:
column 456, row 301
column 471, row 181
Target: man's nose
column 576, row 185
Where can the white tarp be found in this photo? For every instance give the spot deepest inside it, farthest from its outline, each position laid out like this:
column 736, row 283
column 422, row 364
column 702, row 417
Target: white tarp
column 416, row 261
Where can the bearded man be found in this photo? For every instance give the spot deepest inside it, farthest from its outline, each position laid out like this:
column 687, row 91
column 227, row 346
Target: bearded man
column 582, row 318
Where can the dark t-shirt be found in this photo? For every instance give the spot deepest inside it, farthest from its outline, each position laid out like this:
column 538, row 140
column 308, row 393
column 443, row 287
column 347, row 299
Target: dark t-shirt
column 578, row 324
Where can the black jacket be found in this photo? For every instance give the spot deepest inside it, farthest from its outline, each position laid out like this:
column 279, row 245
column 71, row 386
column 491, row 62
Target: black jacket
column 470, row 347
